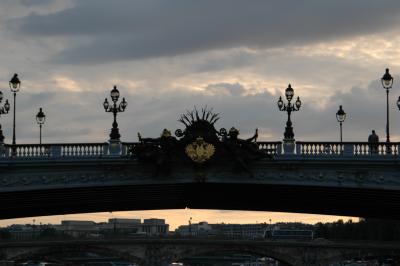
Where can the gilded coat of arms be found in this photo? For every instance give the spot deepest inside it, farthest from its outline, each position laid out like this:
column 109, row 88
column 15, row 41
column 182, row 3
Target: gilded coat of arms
column 200, row 151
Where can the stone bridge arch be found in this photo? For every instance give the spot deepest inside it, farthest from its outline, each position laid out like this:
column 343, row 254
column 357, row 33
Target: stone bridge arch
column 53, row 251
column 270, row 252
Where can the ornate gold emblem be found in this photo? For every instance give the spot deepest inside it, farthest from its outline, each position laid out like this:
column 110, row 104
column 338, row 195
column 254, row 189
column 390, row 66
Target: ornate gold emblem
column 200, row 151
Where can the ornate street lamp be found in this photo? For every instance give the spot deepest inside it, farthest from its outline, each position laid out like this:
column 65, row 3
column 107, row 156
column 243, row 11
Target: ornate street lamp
column 387, row 82
column 40, row 118
column 340, row 116
column 114, row 108
column 15, row 85
column 289, row 108
column 3, row 110
column 398, row 103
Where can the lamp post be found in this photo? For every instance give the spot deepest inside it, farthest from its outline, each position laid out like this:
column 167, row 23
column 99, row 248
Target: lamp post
column 114, row 108
column 15, row 85
column 340, row 116
column 40, row 118
column 398, row 102
column 190, row 226
column 387, row 82
column 289, row 108
column 3, row 110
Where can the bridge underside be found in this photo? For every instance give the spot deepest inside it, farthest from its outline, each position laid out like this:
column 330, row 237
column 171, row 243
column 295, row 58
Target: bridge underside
column 284, row 198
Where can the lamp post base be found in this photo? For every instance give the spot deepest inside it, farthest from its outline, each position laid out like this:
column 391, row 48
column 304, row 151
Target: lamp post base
column 114, row 135
column 114, row 147
column 289, row 146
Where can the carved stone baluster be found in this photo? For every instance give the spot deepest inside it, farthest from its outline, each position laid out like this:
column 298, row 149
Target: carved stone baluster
column 361, row 149
column 309, row 149
column 70, row 150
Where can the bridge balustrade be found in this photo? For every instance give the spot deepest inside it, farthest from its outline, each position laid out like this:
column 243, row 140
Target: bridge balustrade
column 271, row 148
column 123, row 149
column 345, row 148
column 55, row 150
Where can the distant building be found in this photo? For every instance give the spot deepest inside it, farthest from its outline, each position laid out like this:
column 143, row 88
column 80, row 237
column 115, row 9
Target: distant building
column 226, row 230
column 76, row 228
column 23, row 231
column 155, row 226
column 79, row 228
column 124, row 221
column 200, row 229
column 122, row 225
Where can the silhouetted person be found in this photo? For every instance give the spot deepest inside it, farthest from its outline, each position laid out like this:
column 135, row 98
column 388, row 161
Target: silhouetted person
column 373, row 141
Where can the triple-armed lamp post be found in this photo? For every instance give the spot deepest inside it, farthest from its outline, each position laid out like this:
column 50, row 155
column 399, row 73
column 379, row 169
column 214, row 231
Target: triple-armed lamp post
column 340, row 116
column 387, row 83
column 114, row 108
column 3, row 110
column 40, row 118
column 289, row 108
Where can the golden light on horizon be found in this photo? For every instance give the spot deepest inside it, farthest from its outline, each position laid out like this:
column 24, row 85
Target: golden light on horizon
column 176, row 217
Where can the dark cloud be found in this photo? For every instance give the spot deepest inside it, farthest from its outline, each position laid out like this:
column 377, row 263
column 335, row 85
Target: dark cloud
column 103, row 31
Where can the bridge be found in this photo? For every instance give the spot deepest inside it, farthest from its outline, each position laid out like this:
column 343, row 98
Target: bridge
column 334, row 178
column 163, row 251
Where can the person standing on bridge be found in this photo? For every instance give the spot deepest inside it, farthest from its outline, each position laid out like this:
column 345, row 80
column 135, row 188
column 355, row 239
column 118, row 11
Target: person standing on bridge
column 373, row 141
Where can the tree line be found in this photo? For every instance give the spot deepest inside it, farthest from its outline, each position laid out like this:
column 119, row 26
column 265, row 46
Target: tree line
column 365, row 229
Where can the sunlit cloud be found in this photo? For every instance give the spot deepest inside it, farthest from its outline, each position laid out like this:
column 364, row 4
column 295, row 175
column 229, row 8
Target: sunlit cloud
column 67, row 84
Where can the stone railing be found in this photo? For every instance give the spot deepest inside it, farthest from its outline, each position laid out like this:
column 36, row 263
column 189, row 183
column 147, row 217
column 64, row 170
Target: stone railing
column 346, row 148
column 55, row 150
column 272, row 148
column 123, row 149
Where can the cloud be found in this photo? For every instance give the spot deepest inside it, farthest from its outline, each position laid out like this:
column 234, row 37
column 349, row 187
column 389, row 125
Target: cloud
column 34, row 2
column 103, row 31
column 78, row 116
column 225, row 89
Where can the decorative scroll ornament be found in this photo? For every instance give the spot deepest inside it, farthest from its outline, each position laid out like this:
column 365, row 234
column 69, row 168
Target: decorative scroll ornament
column 200, row 151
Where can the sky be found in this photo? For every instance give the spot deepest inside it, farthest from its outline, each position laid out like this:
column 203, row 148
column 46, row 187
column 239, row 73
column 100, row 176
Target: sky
column 167, row 56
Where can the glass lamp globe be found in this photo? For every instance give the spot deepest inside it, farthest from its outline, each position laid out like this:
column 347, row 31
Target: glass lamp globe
column 40, row 117
column 15, row 83
column 289, row 93
column 114, row 94
column 387, row 80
